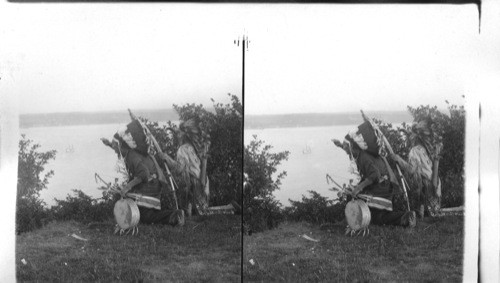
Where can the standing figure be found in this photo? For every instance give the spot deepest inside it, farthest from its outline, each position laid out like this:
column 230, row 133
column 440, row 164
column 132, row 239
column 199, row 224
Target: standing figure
column 191, row 164
column 145, row 181
column 423, row 166
column 377, row 185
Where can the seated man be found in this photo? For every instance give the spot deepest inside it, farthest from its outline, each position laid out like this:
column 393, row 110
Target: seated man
column 144, row 182
column 190, row 164
column 376, row 186
column 423, row 166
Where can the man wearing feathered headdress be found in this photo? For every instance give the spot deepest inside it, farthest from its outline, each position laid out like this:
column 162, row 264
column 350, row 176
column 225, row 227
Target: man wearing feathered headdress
column 190, row 163
column 423, row 163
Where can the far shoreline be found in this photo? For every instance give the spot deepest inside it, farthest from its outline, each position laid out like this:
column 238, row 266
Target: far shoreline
column 260, row 122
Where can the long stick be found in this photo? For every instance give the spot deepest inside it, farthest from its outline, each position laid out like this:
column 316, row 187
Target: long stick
column 389, row 148
column 158, row 149
column 203, row 174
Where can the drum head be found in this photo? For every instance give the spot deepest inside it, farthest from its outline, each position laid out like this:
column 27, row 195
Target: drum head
column 126, row 213
column 357, row 214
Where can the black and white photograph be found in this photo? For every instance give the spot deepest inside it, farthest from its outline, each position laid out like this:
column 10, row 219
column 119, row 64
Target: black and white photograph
column 130, row 134
column 340, row 141
column 355, row 143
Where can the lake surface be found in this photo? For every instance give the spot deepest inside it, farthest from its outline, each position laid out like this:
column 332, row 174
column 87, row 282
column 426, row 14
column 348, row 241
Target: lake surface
column 80, row 154
column 312, row 156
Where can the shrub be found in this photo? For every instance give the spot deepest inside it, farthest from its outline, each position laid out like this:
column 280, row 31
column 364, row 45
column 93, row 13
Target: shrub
column 224, row 125
column 261, row 210
column 30, row 210
column 31, row 163
column 31, row 214
column 84, row 208
column 262, row 214
column 316, row 209
column 451, row 167
column 224, row 164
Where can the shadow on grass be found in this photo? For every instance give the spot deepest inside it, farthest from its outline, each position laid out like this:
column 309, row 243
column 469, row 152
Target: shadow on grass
column 432, row 251
column 205, row 249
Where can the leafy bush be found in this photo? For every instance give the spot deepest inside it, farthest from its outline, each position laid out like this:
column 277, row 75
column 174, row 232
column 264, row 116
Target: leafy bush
column 316, row 209
column 30, row 210
column 451, row 166
column 31, row 214
column 261, row 214
column 224, row 125
column 261, row 210
column 84, row 208
column 452, row 128
column 31, row 163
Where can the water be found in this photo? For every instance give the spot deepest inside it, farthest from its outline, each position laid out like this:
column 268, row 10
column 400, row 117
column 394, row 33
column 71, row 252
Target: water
column 312, row 156
column 80, row 154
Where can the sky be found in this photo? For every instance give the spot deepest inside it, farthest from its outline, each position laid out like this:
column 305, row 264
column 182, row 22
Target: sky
column 301, row 58
column 338, row 58
column 64, row 58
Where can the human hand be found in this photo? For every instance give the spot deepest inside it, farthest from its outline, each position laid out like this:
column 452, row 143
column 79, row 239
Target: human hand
column 337, row 142
column 124, row 190
column 167, row 158
column 352, row 190
column 105, row 141
column 394, row 157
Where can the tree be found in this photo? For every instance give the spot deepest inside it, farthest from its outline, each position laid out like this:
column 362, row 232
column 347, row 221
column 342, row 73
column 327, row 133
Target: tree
column 261, row 210
column 224, row 125
column 452, row 130
column 31, row 164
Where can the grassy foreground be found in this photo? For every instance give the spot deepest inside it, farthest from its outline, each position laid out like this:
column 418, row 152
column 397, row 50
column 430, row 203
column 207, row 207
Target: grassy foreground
column 206, row 249
column 432, row 251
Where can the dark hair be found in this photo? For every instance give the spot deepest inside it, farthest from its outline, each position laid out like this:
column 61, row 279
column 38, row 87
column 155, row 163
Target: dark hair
column 194, row 135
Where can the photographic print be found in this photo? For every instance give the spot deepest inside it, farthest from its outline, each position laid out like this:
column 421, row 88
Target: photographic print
column 130, row 143
column 354, row 143
column 224, row 142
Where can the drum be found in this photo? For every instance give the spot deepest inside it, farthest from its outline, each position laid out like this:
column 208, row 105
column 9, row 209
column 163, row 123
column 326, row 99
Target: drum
column 357, row 214
column 126, row 213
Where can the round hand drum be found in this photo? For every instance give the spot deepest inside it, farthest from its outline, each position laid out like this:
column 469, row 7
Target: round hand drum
column 126, row 213
column 357, row 214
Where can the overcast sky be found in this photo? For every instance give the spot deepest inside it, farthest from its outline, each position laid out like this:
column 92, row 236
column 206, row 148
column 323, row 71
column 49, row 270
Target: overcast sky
column 330, row 58
column 111, row 57
column 301, row 58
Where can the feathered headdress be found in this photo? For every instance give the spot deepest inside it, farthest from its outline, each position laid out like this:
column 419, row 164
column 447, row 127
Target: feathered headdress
column 424, row 131
column 194, row 134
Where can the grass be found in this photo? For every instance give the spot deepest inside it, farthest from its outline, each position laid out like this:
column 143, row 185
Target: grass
column 432, row 251
column 206, row 249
